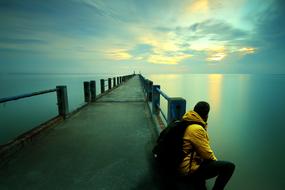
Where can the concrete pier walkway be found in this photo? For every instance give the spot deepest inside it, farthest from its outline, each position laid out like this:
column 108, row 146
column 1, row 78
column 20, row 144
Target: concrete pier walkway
column 106, row 145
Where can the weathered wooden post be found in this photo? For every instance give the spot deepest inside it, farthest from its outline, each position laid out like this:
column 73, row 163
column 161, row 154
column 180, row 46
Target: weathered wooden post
column 109, row 83
column 86, row 85
column 93, row 90
column 149, row 90
column 62, row 101
column 102, row 84
column 176, row 109
column 155, row 99
column 118, row 81
column 114, row 81
column 121, row 79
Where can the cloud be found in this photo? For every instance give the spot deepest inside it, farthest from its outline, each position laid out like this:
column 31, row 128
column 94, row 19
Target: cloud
column 167, row 59
column 160, row 48
column 142, row 49
column 216, row 38
column 271, row 24
column 216, row 30
column 216, row 56
column 118, row 54
column 213, row 30
column 67, row 18
column 247, row 50
column 21, row 41
column 199, row 6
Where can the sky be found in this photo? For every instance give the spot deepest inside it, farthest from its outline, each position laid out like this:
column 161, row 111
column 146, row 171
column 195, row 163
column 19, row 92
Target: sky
column 147, row 36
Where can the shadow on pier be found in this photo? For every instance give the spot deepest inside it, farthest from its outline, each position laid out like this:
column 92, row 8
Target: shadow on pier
column 106, row 145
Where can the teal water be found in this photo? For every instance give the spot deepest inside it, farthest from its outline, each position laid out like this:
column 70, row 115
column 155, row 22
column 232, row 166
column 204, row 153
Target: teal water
column 245, row 121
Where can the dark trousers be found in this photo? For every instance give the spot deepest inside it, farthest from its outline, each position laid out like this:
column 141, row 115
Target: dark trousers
column 209, row 169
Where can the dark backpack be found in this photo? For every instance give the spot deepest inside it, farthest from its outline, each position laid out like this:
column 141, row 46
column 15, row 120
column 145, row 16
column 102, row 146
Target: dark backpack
column 168, row 151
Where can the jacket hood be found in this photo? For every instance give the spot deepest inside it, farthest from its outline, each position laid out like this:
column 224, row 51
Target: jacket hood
column 192, row 116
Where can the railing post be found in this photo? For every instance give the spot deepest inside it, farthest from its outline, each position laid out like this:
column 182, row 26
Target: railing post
column 143, row 83
column 176, row 109
column 93, row 90
column 114, row 81
column 146, row 85
column 62, row 100
column 155, row 99
column 109, row 83
column 86, row 85
column 149, row 90
column 102, row 84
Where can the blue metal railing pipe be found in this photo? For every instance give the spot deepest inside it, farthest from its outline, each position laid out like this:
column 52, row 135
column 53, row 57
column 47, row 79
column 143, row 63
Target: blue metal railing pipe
column 163, row 94
column 3, row 100
column 162, row 113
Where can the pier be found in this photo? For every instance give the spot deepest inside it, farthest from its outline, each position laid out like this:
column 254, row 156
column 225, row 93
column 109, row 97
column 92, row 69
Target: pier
column 106, row 144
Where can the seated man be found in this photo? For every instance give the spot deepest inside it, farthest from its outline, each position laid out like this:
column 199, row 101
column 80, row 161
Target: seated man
column 200, row 163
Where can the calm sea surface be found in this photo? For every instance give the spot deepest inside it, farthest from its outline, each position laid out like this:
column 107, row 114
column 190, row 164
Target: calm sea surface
column 245, row 122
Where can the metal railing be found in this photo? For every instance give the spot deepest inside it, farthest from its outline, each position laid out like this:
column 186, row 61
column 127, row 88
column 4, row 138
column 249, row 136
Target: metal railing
column 176, row 106
column 8, row 99
column 158, row 104
column 62, row 100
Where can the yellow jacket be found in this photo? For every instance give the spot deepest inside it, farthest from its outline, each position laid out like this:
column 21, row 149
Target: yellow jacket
column 195, row 143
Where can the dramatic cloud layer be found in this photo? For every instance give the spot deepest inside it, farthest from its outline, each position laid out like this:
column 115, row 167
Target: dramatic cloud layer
column 148, row 36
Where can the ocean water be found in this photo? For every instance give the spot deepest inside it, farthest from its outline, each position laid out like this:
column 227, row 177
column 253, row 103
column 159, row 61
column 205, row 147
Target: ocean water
column 245, row 121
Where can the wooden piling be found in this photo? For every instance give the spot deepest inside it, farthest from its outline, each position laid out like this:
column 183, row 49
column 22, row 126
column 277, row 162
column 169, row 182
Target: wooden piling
column 86, row 85
column 93, row 90
column 102, row 84
column 109, row 83
column 62, row 101
column 114, row 81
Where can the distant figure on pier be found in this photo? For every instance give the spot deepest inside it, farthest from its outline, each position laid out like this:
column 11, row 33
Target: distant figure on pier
column 200, row 162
